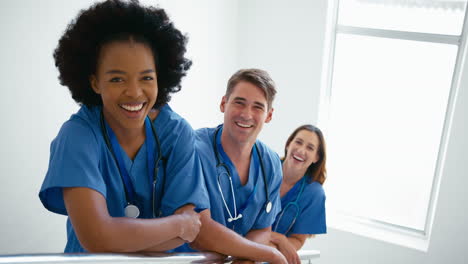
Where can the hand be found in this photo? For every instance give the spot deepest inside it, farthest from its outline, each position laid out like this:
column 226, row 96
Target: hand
column 289, row 252
column 279, row 258
column 190, row 224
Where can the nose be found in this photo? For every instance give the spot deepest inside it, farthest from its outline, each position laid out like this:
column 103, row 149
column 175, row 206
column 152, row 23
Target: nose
column 302, row 150
column 133, row 89
column 246, row 113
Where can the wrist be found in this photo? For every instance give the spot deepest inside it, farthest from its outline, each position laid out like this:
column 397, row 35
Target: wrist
column 180, row 225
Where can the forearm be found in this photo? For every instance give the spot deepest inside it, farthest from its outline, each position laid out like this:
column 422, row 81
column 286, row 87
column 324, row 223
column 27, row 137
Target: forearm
column 125, row 234
column 280, row 239
column 262, row 236
column 218, row 238
column 296, row 243
column 277, row 239
column 173, row 243
column 97, row 231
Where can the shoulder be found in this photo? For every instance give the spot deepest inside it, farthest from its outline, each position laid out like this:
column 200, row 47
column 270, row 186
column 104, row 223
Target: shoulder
column 173, row 131
column 82, row 127
column 205, row 134
column 315, row 190
column 268, row 155
column 168, row 120
column 204, row 140
column 272, row 163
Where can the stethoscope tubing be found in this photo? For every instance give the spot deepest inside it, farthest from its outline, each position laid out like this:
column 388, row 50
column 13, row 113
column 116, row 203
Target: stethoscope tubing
column 228, row 172
column 293, row 203
column 156, row 168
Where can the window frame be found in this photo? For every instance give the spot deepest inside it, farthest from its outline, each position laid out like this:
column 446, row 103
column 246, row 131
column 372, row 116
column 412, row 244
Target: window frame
column 375, row 229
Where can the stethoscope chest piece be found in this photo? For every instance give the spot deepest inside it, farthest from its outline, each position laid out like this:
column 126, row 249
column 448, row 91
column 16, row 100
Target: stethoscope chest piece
column 132, row 211
column 268, row 207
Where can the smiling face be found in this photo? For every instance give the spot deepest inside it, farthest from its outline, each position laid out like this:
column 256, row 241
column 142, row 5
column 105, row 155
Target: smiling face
column 302, row 151
column 245, row 112
column 126, row 80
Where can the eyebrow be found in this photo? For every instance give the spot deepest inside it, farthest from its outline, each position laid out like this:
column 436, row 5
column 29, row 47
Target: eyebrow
column 245, row 100
column 122, row 72
column 239, row 99
column 260, row 104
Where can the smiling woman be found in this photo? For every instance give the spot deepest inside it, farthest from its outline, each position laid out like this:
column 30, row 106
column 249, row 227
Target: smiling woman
column 302, row 196
column 126, row 81
column 115, row 165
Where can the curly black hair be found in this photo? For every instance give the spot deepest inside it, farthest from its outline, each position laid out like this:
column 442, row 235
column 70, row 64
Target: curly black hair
column 78, row 50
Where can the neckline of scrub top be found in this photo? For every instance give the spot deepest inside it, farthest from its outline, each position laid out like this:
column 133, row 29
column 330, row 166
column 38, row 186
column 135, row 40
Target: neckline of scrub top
column 235, row 176
column 254, row 162
column 291, row 195
column 118, row 151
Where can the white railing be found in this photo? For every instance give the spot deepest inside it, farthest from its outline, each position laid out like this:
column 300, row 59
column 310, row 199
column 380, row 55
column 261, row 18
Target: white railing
column 307, row 256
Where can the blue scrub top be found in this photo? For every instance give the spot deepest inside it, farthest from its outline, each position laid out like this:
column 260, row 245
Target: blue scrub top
column 311, row 215
column 79, row 157
column 254, row 216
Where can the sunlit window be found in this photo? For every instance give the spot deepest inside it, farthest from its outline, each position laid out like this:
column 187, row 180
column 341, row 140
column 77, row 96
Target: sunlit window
column 393, row 63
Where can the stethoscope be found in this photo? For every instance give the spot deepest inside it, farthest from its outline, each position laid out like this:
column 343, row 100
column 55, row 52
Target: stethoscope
column 131, row 209
column 223, row 166
column 294, row 204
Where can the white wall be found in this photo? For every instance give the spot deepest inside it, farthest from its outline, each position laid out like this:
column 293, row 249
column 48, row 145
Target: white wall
column 286, row 39
column 211, row 26
column 34, row 105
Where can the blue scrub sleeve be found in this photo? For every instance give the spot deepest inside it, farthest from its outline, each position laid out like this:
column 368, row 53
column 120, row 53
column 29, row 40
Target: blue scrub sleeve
column 312, row 218
column 275, row 177
column 74, row 162
column 184, row 182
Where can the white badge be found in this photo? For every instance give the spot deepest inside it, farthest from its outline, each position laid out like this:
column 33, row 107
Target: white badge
column 132, row 211
column 268, row 207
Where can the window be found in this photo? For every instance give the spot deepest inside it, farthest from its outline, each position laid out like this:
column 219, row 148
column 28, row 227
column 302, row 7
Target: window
column 387, row 111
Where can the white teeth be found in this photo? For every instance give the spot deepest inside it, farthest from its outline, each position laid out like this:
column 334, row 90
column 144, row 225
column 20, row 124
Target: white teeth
column 298, row 158
column 132, row 108
column 244, row 125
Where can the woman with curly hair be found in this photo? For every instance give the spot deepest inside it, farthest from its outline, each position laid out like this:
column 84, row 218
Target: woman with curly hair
column 124, row 168
column 301, row 192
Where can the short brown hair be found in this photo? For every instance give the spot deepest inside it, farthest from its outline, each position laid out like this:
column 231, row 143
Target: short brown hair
column 257, row 77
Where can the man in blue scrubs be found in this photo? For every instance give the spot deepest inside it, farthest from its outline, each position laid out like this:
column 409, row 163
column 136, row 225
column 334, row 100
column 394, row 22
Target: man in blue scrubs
column 243, row 175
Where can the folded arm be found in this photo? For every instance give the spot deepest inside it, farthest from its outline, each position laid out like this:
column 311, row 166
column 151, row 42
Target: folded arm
column 97, row 231
column 216, row 237
column 262, row 236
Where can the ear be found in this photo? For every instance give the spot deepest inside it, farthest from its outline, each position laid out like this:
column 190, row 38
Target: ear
column 223, row 104
column 269, row 115
column 93, row 81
